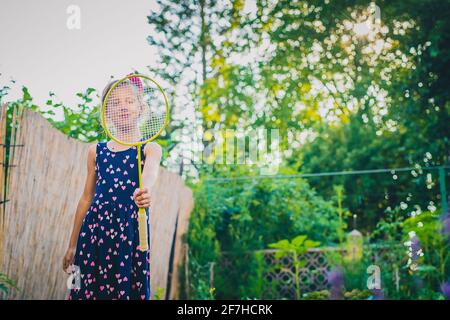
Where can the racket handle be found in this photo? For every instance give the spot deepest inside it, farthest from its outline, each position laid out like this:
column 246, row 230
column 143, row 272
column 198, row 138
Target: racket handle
column 143, row 225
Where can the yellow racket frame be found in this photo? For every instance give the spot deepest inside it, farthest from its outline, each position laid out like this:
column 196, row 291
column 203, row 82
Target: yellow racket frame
column 142, row 220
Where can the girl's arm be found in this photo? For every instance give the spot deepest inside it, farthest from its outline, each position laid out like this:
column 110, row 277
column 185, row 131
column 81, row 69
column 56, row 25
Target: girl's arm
column 83, row 206
column 153, row 154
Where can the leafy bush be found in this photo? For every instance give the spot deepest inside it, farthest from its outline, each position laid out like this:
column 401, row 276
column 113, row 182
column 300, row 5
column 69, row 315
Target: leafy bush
column 434, row 267
column 239, row 216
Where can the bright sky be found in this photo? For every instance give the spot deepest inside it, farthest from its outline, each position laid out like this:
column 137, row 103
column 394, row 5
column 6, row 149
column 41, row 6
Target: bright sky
column 41, row 52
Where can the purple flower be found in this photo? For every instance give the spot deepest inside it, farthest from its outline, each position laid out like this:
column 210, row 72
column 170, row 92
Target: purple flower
column 446, row 222
column 415, row 247
column 445, row 288
column 446, row 226
column 335, row 278
column 377, row 294
column 414, row 251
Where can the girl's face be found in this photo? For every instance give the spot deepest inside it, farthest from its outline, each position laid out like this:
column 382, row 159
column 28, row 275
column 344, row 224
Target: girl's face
column 124, row 108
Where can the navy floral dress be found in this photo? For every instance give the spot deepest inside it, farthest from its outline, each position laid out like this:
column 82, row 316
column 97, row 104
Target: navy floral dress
column 111, row 266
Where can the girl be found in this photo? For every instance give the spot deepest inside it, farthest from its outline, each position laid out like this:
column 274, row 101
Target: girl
column 104, row 245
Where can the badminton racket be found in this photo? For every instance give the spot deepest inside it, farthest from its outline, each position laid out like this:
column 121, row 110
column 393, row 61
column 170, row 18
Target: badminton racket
column 135, row 111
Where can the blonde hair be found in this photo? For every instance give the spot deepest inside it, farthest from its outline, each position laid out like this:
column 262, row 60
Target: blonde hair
column 104, row 93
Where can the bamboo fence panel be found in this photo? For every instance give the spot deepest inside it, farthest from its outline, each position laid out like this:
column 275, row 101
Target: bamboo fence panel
column 8, row 138
column 172, row 195
column 3, row 161
column 180, row 242
column 45, row 187
column 3, row 198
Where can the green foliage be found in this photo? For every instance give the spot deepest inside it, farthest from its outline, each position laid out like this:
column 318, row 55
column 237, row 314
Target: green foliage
column 389, row 228
column 6, row 284
column 203, row 245
column 254, row 213
column 427, row 226
column 255, row 285
column 82, row 123
column 244, row 278
column 297, row 247
column 237, row 217
column 363, row 101
column 391, row 256
column 316, row 295
column 356, row 294
column 159, row 293
column 412, row 132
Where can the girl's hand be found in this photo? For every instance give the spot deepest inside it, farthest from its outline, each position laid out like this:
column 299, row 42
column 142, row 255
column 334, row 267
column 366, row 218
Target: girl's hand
column 68, row 258
column 142, row 197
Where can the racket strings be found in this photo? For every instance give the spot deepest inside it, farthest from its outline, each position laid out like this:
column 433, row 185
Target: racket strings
column 135, row 110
